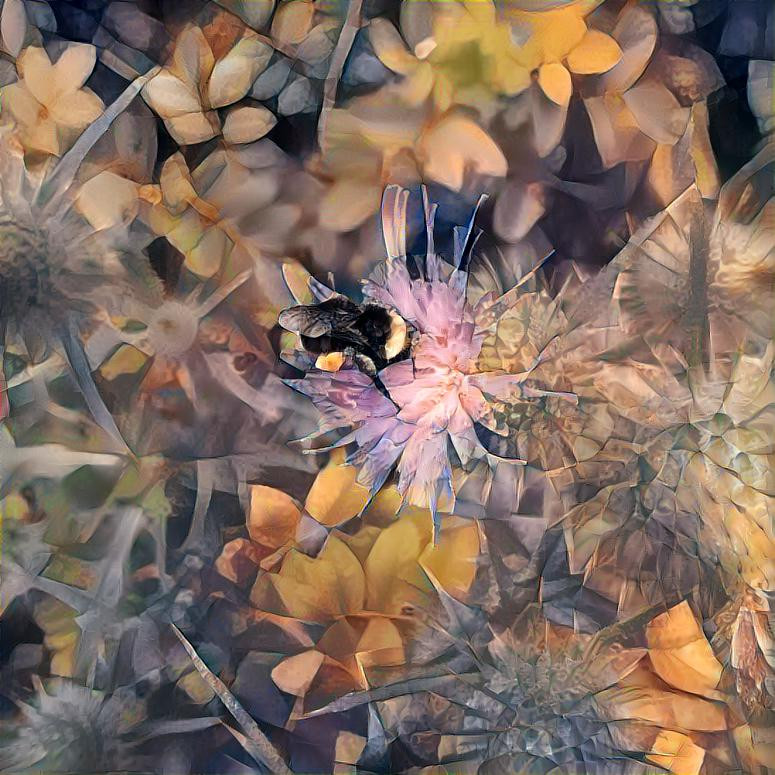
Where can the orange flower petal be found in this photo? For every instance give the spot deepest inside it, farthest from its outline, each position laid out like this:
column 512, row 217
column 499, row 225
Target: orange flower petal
column 680, row 652
column 209, row 253
column 596, row 53
column 393, row 574
column 348, row 203
column 390, row 48
column 76, row 110
column 677, row 753
column 555, row 81
column 73, row 67
column 657, row 111
column 452, row 562
column 193, row 127
column 636, row 34
column 273, row 516
column 35, row 68
column 233, row 75
column 380, row 645
column 315, row 589
column 292, row 21
column 246, row 124
column 21, row 104
column 455, row 145
column 295, row 675
column 335, row 496
column 169, row 96
column 193, row 58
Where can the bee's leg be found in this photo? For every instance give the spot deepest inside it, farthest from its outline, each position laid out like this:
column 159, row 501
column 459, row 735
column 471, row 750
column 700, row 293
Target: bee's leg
column 363, row 362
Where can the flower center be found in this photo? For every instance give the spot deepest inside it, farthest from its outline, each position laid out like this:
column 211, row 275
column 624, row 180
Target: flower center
column 453, row 380
column 173, row 329
column 25, row 268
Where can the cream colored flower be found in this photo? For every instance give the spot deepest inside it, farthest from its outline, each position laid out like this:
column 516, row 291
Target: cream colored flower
column 197, row 81
column 229, row 207
column 49, row 104
column 190, row 224
column 631, row 114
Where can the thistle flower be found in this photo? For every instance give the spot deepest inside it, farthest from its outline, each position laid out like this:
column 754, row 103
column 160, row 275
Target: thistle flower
column 679, row 287
column 57, row 271
column 68, row 727
column 49, row 253
column 178, row 348
column 535, row 696
column 419, row 412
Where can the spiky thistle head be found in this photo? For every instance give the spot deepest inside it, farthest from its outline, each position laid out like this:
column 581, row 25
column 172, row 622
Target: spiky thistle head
column 67, row 727
column 419, row 414
column 52, row 261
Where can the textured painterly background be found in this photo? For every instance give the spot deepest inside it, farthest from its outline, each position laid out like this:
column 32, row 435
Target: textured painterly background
column 535, row 536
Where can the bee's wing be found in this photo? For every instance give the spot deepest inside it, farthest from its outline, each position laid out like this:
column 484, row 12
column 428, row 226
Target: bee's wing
column 307, row 321
column 337, row 317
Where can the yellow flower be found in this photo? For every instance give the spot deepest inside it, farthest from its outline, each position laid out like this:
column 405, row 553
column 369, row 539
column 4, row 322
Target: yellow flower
column 378, row 140
column 360, row 586
column 469, row 56
column 557, row 43
column 669, row 697
column 49, row 104
column 561, row 35
column 473, row 56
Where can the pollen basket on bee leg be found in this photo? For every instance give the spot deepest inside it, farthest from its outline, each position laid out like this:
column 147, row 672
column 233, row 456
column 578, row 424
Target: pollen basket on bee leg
column 330, row 361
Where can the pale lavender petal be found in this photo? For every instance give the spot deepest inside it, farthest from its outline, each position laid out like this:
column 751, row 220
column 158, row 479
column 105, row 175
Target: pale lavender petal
column 345, row 397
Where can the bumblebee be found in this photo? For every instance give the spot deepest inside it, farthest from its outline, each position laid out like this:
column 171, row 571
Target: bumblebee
column 338, row 328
